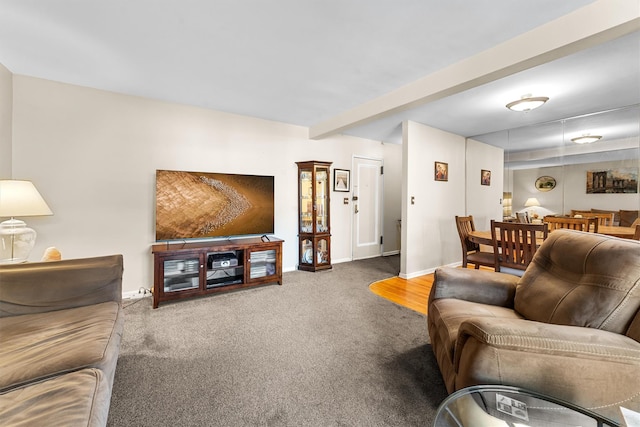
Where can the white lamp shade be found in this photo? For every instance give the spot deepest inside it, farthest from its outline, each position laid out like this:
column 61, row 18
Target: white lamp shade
column 532, row 201
column 20, row 198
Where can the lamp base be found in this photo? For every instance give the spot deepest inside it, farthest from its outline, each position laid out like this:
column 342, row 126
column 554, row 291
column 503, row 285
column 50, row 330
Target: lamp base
column 16, row 241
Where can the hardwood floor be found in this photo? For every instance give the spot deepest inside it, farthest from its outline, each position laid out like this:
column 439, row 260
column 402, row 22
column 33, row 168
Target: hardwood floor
column 410, row 293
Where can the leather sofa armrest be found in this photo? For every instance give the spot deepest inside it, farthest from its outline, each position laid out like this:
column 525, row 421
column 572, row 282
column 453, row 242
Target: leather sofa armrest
column 589, row 367
column 481, row 286
column 547, row 339
column 47, row 286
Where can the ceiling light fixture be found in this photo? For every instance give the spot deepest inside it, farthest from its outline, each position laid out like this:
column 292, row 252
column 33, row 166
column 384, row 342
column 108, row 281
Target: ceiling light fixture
column 586, row 139
column 527, row 103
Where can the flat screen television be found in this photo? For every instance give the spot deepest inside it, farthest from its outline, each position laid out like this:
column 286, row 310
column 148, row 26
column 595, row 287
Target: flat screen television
column 200, row 205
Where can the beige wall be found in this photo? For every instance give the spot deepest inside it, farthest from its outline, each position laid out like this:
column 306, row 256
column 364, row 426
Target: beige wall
column 429, row 236
column 484, row 202
column 93, row 155
column 6, row 106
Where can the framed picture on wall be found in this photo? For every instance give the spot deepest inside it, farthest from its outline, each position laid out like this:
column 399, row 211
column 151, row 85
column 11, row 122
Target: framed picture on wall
column 485, row 177
column 441, row 172
column 341, row 180
column 621, row 180
column 545, row 183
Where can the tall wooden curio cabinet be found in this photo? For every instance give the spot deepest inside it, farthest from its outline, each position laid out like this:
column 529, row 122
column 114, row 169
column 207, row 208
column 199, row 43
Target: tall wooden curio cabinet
column 314, row 231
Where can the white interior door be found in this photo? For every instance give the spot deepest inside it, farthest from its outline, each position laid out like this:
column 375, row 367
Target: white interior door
column 367, row 207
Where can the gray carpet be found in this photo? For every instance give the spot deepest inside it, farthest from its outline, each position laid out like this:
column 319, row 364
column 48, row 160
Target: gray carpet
column 321, row 350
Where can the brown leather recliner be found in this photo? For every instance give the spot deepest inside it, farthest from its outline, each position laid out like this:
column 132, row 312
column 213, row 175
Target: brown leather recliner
column 568, row 328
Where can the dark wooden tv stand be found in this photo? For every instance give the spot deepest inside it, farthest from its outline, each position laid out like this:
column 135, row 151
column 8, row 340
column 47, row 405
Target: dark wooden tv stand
column 190, row 269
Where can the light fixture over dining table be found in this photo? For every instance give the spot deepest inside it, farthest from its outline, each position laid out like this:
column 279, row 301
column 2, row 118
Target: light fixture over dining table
column 586, row 139
column 527, row 103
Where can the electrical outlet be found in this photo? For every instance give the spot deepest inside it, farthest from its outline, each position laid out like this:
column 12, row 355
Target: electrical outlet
column 140, row 293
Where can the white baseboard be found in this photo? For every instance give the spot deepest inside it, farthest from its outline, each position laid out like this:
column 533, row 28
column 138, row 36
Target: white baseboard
column 416, row 273
column 427, row 271
column 136, row 294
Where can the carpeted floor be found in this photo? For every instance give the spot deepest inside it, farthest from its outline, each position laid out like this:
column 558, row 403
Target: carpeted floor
column 321, row 350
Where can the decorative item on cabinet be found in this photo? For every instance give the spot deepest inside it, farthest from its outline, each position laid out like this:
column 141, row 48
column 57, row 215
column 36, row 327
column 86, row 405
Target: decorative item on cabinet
column 314, row 230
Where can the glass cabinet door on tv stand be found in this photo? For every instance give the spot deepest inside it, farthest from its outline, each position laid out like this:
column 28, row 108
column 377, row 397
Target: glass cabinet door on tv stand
column 314, row 231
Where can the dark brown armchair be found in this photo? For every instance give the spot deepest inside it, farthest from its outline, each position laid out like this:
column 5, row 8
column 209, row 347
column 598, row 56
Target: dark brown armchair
column 568, row 328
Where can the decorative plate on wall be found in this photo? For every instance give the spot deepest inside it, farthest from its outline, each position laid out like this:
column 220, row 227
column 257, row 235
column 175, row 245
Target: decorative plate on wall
column 545, row 183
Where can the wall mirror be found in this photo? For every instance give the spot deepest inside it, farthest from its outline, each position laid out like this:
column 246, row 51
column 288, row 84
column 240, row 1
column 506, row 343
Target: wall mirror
column 599, row 175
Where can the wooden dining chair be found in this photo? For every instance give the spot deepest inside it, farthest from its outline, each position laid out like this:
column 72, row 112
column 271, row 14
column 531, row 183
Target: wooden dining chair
column 580, row 224
column 605, row 218
column 523, row 217
column 602, row 218
column 515, row 244
column 471, row 252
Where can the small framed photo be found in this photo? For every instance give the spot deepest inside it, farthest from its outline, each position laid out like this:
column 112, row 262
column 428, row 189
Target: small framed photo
column 485, row 177
column 441, row 172
column 341, row 180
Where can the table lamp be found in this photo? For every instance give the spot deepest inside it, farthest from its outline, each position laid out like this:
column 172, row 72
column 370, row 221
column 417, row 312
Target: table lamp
column 532, row 202
column 18, row 198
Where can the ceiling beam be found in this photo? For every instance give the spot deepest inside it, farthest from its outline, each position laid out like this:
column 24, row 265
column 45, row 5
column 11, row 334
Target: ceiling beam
column 597, row 23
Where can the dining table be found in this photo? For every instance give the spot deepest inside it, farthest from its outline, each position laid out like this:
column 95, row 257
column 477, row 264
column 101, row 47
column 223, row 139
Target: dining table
column 483, row 237
column 617, row 231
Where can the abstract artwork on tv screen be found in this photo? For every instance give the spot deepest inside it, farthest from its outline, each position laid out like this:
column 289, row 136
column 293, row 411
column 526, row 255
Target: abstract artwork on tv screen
column 196, row 205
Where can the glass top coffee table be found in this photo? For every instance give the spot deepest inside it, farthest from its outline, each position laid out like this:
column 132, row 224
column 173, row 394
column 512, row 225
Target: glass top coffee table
column 504, row 406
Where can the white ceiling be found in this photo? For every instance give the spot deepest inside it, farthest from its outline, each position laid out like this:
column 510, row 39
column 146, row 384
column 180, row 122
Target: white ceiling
column 304, row 62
